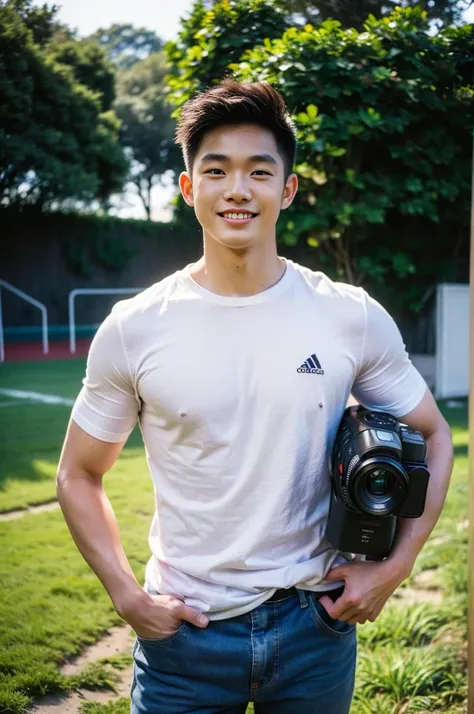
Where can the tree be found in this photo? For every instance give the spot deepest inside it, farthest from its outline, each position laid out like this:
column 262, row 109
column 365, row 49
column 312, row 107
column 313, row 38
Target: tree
column 40, row 20
column 56, row 143
column 384, row 125
column 354, row 14
column 147, row 130
column 125, row 45
column 385, row 121
column 89, row 65
column 212, row 38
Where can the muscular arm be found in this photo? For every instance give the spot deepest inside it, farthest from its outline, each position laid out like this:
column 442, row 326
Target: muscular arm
column 91, row 520
column 89, row 514
column 412, row 533
column 386, row 380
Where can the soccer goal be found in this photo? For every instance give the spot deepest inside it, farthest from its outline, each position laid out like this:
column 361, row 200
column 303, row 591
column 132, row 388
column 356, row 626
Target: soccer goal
column 90, row 291
column 31, row 301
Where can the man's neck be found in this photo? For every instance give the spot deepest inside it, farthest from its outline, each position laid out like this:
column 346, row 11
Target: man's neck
column 238, row 273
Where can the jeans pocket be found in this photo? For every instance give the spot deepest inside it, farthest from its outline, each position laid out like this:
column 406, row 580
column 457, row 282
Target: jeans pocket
column 163, row 640
column 324, row 621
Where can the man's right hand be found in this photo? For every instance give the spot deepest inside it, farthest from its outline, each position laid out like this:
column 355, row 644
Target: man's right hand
column 159, row 616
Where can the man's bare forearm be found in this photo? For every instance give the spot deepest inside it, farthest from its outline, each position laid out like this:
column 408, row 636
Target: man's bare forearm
column 91, row 520
column 412, row 533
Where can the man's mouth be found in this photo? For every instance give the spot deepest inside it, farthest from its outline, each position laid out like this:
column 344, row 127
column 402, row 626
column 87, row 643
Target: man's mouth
column 238, row 216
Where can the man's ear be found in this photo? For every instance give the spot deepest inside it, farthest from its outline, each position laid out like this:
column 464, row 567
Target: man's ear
column 290, row 190
column 186, row 188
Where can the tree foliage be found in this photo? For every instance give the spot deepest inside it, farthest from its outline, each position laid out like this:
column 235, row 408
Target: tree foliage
column 125, row 45
column 56, row 140
column 40, row 20
column 354, row 14
column 384, row 123
column 212, row 38
column 89, row 65
column 147, row 130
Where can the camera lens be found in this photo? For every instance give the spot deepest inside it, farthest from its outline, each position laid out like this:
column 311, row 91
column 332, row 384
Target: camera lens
column 378, row 482
column 378, row 486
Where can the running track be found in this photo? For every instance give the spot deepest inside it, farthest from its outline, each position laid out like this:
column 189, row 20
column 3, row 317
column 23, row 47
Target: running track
column 33, row 351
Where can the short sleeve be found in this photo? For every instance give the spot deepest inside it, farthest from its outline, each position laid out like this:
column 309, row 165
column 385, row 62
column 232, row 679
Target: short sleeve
column 386, row 379
column 107, row 406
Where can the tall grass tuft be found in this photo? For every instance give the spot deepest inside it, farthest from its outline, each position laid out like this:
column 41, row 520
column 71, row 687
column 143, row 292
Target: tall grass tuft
column 410, row 676
column 411, row 626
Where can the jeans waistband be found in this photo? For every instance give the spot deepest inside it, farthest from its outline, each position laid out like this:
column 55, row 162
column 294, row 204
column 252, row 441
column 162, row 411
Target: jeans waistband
column 285, row 593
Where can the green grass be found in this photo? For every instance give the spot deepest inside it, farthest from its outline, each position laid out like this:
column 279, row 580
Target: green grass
column 31, row 434
column 412, row 659
column 121, row 706
column 51, row 604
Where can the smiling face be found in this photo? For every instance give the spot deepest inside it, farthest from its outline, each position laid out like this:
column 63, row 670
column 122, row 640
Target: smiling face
column 238, row 186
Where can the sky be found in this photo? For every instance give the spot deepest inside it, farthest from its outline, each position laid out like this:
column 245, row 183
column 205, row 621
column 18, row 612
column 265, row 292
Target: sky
column 163, row 16
column 88, row 15
column 160, row 15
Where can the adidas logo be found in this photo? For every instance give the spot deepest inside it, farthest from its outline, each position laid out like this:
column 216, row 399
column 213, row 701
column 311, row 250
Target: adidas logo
column 311, row 366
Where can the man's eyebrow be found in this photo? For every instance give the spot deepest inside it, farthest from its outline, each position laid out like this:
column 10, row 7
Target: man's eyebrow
column 214, row 157
column 255, row 159
column 262, row 159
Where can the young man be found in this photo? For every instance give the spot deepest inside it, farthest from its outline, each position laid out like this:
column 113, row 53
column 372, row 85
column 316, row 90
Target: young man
column 245, row 599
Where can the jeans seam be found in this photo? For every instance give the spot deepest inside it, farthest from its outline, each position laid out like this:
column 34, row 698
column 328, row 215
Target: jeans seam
column 134, row 674
column 251, row 688
column 277, row 656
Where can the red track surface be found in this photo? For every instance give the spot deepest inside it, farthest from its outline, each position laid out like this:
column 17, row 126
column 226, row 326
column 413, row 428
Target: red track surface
column 33, row 351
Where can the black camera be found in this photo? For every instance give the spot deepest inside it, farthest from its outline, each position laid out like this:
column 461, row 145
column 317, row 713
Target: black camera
column 378, row 472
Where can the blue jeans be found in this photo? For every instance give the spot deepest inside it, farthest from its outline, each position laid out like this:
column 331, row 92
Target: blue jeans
column 288, row 657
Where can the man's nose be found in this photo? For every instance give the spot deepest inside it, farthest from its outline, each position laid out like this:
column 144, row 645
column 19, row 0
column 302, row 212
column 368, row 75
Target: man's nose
column 238, row 189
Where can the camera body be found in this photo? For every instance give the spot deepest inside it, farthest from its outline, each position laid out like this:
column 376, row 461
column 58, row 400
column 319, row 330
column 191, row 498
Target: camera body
column 379, row 472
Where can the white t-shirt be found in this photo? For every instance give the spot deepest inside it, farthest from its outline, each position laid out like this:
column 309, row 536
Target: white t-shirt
column 239, row 399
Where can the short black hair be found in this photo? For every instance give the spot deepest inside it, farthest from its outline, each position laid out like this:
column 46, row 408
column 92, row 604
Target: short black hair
column 232, row 102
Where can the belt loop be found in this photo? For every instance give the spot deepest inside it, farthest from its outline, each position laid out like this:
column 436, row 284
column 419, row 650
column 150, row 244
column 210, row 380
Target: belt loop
column 302, row 598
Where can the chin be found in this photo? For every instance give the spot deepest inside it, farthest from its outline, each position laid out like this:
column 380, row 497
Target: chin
column 237, row 242
column 233, row 239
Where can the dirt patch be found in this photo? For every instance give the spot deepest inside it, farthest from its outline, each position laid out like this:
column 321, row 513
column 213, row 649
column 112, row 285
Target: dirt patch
column 69, row 704
column 31, row 510
column 118, row 640
column 426, row 580
column 412, row 596
column 425, row 590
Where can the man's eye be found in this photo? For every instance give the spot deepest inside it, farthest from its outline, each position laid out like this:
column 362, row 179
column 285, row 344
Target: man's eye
column 214, row 172
column 261, row 172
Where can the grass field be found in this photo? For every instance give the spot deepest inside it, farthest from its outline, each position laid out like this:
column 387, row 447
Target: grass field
column 412, row 659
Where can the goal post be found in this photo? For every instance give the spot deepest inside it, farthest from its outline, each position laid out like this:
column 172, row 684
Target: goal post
column 31, row 301
column 90, row 291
